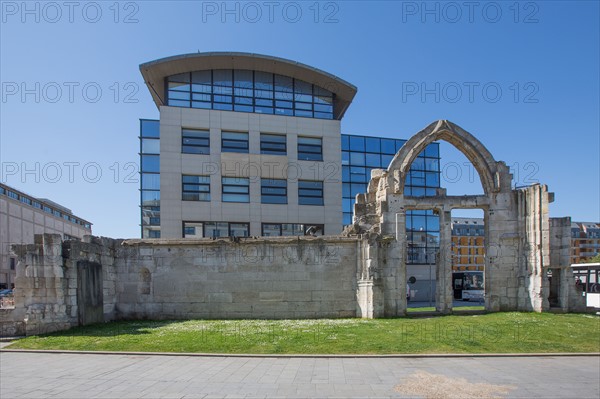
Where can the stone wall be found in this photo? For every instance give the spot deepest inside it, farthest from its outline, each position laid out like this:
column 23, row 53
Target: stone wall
column 249, row 278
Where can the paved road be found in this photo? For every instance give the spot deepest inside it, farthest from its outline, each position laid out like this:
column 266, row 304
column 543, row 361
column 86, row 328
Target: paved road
column 47, row 375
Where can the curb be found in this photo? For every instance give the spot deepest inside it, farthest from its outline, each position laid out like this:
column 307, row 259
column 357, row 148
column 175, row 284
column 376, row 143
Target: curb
column 325, row 356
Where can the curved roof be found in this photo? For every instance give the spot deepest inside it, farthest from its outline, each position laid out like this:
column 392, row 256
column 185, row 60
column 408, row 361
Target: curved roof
column 155, row 72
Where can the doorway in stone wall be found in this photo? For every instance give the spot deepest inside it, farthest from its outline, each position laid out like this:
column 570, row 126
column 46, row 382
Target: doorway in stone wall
column 468, row 259
column 90, row 299
column 422, row 248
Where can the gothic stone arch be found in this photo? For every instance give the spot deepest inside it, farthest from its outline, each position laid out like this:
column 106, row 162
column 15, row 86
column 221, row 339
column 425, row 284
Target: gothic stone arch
column 516, row 238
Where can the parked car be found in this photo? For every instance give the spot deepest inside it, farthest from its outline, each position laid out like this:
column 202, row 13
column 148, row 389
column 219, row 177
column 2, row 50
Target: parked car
column 7, row 292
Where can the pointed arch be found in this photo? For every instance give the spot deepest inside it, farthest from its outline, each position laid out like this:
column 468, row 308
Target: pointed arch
column 482, row 160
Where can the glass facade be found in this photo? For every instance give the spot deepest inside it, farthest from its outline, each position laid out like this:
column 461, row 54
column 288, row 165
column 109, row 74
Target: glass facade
column 150, row 178
column 361, row 154
column 249, row 91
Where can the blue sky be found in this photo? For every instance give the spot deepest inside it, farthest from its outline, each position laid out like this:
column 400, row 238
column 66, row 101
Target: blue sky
column 523, row 77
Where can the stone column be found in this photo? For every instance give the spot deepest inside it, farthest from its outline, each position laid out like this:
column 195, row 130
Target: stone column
column 443, row 289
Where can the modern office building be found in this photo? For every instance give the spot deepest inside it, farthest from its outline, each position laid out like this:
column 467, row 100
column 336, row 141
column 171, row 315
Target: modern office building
column 251, row 145
column 22, row 216
column 585, row 241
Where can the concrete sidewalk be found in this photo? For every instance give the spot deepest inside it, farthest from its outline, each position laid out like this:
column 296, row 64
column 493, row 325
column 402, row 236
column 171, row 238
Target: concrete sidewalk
column 48, row 375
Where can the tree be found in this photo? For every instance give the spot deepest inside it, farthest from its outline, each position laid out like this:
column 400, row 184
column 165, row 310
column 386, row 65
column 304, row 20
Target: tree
column 595, row 259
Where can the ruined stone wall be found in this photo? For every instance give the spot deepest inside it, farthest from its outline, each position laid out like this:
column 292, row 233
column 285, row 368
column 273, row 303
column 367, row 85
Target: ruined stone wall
column 252, row 278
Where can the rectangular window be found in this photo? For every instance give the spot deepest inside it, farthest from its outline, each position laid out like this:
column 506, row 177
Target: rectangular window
column 310, row 148
column 225, row 229
column 193, row 230
column 274, row 191
column 235, row 189
column 195, row 141
column 310, row 192
column 12, row 194
column 195, row 188
column 151, row 163
column 234, row 142
column 274, row 144
column 13, row 263
column 291, row 229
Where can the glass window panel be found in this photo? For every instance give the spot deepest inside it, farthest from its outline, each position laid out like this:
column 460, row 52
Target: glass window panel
column 357, row 189
column 263, row 80
column 304, row 106
column 347, row 205
column 179, row 103
column 373, row 160
column 373, row 144
column 432, row 164
column 179, row 86
column 264, row 102
column 283, row 111
column 418, row 191
column 358, row 175
column 388, row 146
column 419, row 223
column 263, row 94
column 284, row 84
column 306, row 98
column 222, row 77
column 150, row 163
column 324, row 101
column 345, row 158
column 198, row 88
column 307, row 114
column 357, row 143
column 284, row 96
column 346, row 190
column 222, row 90
column 433, row 223
column 149, row 128
column 222, row 99
column 243, row 108
column 432, row 179
column 150, row 181
column 347, row 219
column 150, row 198
column 357, row 158
column 202, row 105
column 345, row 173
column 202, row 77
column 323, row 115
column 243, row 78
column 239, row 229
column 201, row 97
column 345, row 142
column 243, row 91
column 223, row 106
column 263, row 110
column 418, row 164
column 271, row 229
column 284, row 104
column 150, row 146
column 302, row 87
column 324, row 108
column 386, row 160
column 179, row 95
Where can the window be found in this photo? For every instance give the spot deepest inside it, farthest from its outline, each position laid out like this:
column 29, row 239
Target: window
column 291, row 229
column 12, row 194
column 234, row 142
column 195, row 141
column 273, row 191
column 215, row 229
column 150, row 181
column 310, row 192
column 274, row 144
column 13, row 263
column 150, row 163
column 235, row 189
column 310, row 148
column 195, row 188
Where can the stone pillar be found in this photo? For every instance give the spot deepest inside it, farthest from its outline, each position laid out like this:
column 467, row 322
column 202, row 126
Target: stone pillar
column 444, row 294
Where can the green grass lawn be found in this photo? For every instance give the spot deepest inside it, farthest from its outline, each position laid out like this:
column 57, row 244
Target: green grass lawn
column 489, row 333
